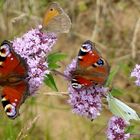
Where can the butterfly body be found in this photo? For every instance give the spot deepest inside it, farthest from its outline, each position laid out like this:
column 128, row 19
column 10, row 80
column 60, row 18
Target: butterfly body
column 91, row 68
column 13, row 73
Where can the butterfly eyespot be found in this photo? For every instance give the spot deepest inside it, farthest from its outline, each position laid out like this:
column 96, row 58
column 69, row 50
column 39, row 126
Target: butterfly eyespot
column 100, row 62
column 10, row 110
column 4, row 50
column 86, row 47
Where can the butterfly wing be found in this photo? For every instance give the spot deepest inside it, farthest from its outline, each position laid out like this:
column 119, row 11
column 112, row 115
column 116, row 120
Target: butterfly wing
column 13, row 71
column 11, row 63
column 56, row 20
column 91, row 67
column 120, row 109
column 12, row 97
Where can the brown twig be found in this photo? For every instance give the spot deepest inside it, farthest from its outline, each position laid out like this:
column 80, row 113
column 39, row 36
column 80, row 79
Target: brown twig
column 97, row 16
column 56, row 93
column 135, row 135
column 134, row 39
column 23, row 133
column 119, row 59
column 61, row 74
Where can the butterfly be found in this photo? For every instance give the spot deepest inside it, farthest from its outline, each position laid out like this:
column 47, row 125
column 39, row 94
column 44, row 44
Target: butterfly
column 120, row 109
column 56, row 20
column 91, row 69
column 13, row 84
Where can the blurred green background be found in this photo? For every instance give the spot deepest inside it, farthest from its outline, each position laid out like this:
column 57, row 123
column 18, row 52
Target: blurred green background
column 115, row 26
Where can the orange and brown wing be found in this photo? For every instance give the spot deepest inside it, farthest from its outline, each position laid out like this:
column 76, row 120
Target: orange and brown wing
column 56, row 20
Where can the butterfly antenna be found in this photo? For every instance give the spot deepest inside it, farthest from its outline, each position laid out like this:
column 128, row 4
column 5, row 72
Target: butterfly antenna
column 61, row 74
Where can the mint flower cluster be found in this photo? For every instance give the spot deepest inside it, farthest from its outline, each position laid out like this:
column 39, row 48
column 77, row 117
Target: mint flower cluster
column 85, row 102
column 33, row 47
column 116, row 129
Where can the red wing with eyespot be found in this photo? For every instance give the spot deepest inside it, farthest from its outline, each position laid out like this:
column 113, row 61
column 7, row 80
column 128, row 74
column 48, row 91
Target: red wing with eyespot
column 91, row 69
column 13, row 73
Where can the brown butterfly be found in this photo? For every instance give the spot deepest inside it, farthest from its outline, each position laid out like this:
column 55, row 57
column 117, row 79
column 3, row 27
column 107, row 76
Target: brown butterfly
column 13, row 84
column 91, row 68
column 56, row 20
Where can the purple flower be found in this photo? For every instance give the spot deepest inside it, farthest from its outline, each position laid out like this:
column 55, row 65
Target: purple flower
column 116, row 129
column 136, row 73
column 87, row 101
column 34, row 46
column 70, row 68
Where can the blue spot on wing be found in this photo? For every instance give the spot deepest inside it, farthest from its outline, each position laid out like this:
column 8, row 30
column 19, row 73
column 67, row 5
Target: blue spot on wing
column 100, row 62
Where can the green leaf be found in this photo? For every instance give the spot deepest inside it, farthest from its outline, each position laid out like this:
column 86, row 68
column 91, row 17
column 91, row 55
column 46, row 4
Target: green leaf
column 116, row 92
column 53, row 66
column 49, row 81
column 130, row 129
column 55, row 57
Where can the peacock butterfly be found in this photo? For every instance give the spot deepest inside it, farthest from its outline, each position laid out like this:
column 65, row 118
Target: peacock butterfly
column 91, row 68
column 13, row 84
